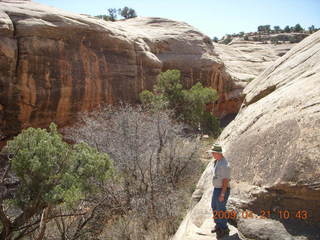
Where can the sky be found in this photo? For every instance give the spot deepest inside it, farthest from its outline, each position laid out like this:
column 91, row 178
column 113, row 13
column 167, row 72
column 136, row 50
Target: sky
column 212, row 17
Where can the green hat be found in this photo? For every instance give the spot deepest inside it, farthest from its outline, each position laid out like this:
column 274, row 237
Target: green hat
column 216, row 148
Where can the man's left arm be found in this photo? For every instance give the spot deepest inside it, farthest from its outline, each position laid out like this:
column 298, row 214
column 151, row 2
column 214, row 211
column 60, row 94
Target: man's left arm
column 225, row 183
column 226, row 172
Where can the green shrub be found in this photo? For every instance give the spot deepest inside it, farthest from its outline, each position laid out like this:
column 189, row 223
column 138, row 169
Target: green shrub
column 195, row 101
column 104, row 17
column 227, row 40
column 155, row 102
column 215, row 39
column 127, row 13
column 146, row 97
column 51, row 172
column 170, row 88
column 210, row 124
column 188, row 105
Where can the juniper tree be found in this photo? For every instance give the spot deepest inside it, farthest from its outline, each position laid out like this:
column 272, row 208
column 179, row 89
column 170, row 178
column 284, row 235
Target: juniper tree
column 50, row 173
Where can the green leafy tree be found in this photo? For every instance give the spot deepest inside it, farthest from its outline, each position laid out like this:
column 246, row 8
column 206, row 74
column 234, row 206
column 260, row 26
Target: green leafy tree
column 287, row 29
column 210, row 124
column 267, row 28
column 146, row 97
column 195, row 102
column 127, row 12
column 298, row 28
column 227, row 39
column 170, row 88
column 104, row 17
column 50, row 173
column 152, row 101
column 312, row 29
column 188, row 105
column 215, row 39
column 277, row 29
column 264, row 28
column 112, row 14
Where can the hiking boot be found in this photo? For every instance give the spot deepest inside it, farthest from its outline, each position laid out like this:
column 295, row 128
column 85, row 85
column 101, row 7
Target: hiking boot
column 215, row 230
column 223, row 233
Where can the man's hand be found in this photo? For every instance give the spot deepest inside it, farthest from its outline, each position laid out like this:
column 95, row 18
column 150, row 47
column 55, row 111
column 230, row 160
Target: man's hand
column 225, row 182
column 221, row 197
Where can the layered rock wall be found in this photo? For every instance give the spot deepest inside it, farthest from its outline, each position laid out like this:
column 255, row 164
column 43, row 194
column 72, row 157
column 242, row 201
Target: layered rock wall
column 245, row 60
column 55, row 64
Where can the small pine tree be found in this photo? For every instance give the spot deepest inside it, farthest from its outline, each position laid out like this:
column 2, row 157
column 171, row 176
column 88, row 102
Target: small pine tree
column 50, row 173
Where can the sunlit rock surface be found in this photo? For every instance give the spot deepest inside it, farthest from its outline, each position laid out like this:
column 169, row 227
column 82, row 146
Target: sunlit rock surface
column 55, row 64
column 273, row 146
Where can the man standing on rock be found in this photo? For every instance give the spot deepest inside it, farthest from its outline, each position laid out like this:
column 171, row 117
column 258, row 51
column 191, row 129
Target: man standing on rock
column 221, row 191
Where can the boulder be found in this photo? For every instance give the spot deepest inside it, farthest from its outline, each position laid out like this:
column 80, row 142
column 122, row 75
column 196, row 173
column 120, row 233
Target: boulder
column 55, row 64
column 262, row 229
column 273, row 146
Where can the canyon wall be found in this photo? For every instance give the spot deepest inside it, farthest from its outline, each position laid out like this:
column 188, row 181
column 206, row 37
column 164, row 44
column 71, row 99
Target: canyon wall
column 55, row 64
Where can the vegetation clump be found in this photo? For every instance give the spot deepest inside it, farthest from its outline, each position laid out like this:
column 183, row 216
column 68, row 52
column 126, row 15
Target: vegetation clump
column 189, row 105
column 156, row 165
column 112, row 15
column 51, row 174
column 74, row 191
column 275, row 35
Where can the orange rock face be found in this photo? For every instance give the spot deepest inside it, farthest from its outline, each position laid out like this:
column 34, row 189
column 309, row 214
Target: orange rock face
column 55, row 64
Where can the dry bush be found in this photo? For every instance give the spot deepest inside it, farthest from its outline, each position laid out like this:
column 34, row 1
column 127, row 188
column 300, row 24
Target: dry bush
column 155, row 164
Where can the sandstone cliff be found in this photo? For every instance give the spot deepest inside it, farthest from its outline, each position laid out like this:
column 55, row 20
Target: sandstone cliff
column 273, row 147
column 245, row 60
column 55, row 63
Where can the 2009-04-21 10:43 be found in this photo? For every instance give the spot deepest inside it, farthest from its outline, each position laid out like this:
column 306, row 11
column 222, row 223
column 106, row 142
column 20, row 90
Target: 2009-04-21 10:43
column 282, row 214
